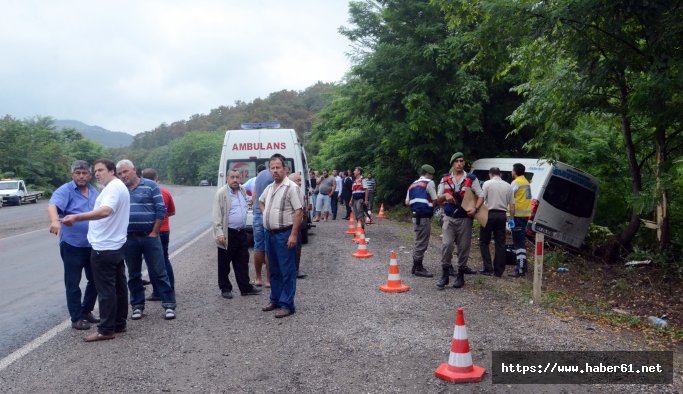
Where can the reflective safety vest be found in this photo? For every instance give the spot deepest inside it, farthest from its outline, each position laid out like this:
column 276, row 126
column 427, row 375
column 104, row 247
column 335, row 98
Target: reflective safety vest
column 458, row 192
column 419, row 199
column 357, row 190
column 522, row 197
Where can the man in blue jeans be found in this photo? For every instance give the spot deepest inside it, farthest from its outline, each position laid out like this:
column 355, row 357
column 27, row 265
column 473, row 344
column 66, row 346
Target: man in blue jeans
column 263, row 179
column 77, row 196
column 147, row 212
column 282, row 210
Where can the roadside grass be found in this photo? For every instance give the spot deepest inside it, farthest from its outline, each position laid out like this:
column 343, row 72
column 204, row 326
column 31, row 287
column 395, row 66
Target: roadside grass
column 568, row 306
column 568, row 301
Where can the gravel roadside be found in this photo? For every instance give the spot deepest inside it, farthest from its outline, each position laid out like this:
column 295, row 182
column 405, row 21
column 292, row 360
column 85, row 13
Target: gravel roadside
column 345, row 337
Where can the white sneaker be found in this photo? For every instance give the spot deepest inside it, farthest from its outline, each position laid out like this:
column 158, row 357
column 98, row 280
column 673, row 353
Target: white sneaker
column 137, row 314
column 170, row 314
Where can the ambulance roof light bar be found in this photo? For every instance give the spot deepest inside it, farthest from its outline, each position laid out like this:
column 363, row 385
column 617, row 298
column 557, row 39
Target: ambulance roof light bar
column 260, row 125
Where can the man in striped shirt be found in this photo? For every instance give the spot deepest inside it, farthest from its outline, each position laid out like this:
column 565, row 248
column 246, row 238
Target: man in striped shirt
column 282, row 210
column 147, row 212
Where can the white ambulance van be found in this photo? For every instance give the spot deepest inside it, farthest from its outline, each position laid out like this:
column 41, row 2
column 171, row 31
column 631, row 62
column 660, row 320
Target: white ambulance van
column 254, row 144
column 564, row 198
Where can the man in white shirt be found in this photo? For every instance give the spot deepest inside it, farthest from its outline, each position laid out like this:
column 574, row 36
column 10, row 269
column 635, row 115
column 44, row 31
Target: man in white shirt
column 107, row 233
column 497, row 197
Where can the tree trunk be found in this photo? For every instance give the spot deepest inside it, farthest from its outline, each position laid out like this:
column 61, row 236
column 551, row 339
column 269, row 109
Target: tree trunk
column 612, row 250
column 630, row 231
column 662, row 216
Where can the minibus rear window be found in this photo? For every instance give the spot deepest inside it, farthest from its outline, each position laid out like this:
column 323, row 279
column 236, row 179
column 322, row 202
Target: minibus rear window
column 569, row 197
column 483, row 175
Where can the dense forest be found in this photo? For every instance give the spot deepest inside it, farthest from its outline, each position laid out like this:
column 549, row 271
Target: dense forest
column 593, row 83
column 596, row 84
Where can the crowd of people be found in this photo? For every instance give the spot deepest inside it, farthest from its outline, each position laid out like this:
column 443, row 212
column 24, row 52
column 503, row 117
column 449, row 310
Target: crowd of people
column 103, row 233
column 501, row 200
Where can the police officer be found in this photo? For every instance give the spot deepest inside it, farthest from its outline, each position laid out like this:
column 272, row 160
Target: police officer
column 421, row 197
column 457, row 222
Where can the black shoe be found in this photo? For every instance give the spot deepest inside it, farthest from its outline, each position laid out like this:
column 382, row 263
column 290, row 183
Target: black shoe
column 467, row 270
column 80, row 325
column 227, row 294
column 517, row 275
column 451, row 272
column 486, row 272
column 120, row 330
column 253, row 291
column 301, row 275
column 90, row 318
column 153, row 297
column 421, row 271
column 459, row 281
column 444, row 279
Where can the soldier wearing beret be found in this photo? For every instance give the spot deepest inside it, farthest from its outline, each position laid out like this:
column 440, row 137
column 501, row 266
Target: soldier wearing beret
column 420, row 198
column 457, row 221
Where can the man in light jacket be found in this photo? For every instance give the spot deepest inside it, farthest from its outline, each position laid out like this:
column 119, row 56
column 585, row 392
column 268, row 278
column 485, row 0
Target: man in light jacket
column 230, row 233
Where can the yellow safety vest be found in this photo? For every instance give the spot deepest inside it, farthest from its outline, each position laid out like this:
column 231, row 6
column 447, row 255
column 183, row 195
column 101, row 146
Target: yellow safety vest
column 522, row 197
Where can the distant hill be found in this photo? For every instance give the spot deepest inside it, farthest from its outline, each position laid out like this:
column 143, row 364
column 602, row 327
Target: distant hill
column 104, row 137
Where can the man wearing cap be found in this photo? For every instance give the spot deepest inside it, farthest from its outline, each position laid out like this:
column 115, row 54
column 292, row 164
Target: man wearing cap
column 457, row 222
column 75, row 197
column 421, row 196
column 497, row 197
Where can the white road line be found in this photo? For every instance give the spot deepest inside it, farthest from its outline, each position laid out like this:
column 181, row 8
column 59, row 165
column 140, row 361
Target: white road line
column 21, row 235
column 34, row 344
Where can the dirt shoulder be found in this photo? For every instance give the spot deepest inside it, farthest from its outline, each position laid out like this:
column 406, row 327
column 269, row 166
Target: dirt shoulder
column 346, row 336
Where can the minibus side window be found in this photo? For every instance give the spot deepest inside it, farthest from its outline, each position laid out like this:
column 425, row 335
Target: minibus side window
column 569, row 197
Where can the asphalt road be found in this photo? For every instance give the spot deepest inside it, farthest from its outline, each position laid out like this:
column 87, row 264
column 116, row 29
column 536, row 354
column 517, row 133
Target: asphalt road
column 31, row 271
column 346, row 336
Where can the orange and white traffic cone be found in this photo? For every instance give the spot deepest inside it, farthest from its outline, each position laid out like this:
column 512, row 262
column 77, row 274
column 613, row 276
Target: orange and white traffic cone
column 381, row 211
column 362, row 251
column 359, row 228
column 352, row 228
column 394, row 284
column 459, row 368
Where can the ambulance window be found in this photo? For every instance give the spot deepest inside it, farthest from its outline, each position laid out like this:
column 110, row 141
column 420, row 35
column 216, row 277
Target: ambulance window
column 569, row 197
column 247, row 169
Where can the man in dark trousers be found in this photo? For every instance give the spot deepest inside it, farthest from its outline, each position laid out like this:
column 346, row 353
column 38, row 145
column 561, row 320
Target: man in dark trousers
column 77, row 196
column 347, row 183
column 147, row 213
column 230, row 232
column 497, row 197
column 421, row 198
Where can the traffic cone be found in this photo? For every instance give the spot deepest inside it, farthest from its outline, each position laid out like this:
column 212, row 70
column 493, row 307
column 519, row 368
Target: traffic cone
column 359, row 228
column 381, row 211
column 368, row 220
column 394, row 284
column 459, row 368
column 362, row 251
column 352, row 228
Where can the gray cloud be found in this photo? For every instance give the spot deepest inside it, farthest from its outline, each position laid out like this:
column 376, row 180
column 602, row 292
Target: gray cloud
column 130, row 65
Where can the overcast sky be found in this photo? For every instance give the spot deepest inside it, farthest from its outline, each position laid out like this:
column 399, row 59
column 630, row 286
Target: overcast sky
column 129, row 65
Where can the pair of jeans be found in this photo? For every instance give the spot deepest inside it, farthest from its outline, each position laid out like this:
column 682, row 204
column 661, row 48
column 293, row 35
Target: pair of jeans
column 76, row 260
column 165, row 236
column 496, row 226
column 237, row 254
column 138, row 246
column 109, row 273
column 282, row 262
